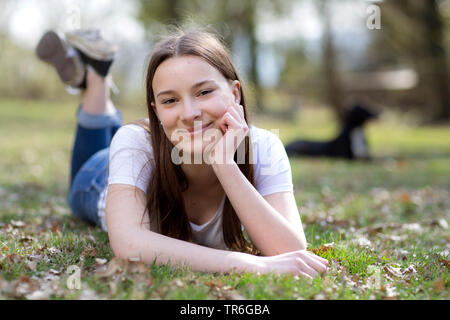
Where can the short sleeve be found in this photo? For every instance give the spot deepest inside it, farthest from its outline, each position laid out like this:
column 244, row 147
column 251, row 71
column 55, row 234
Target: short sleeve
column 272, row 167
column 130, row 157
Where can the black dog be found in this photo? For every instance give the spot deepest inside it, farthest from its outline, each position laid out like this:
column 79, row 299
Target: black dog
column 349, row 144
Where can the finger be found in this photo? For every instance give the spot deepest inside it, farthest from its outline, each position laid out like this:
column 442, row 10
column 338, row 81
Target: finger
column 223, row 124
column 235, row 113
column 306, row 268
column 314, row 256
column 315, row 264
column 240, row 109
column 231, row 121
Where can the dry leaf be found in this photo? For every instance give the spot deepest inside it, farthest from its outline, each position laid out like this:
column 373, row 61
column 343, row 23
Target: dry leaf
column 438, row 286
column 100, row 261
column 393, row 272
column 53, row 271
column 55, row 227
column 17, row 224
column 116, row 265
column 89, row 252
column 138, row 267
column 38, row 295
column 319, row 296
column 31, row 265
column 26, row 239
column 14, row 258
column 404, row 197
column 53, row 250
column 390, row 292
column 323, row 248
column 445, row 262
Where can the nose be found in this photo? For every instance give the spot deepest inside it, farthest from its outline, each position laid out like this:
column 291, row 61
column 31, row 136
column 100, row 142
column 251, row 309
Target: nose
column 190, row 111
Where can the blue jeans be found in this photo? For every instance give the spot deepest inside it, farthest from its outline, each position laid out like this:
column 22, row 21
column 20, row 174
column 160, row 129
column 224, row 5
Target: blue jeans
column 89, row 164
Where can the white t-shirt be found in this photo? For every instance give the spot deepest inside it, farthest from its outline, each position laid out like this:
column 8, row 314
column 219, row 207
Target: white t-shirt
column 131, row 158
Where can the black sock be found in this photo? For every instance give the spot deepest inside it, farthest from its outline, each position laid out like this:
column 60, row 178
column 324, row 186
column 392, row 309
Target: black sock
column 101, row 67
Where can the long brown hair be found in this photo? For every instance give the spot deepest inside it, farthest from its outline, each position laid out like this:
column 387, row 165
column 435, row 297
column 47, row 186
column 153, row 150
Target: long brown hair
column 168, row 181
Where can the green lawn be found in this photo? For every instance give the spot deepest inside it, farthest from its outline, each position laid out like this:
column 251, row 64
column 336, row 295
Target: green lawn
column 383, row 224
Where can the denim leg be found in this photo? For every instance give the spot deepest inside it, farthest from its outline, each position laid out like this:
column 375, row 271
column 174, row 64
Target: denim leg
column 87, row 185
column 89, row 165
column 93, row 133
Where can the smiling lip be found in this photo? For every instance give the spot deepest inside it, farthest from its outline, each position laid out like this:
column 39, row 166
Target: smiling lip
column 191, row 131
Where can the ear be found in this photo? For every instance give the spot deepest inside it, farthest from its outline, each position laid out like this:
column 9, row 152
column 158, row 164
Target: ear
column 154, row 108
column 236, row 90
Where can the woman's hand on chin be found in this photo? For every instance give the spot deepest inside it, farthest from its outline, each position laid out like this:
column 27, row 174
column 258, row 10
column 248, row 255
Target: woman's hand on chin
column 234, row 130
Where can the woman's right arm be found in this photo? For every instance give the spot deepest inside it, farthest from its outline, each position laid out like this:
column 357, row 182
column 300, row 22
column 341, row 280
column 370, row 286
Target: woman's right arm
column 130, row 237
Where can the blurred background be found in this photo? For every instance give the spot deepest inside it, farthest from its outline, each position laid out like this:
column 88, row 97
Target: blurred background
column 303, row 62
column 290, row 53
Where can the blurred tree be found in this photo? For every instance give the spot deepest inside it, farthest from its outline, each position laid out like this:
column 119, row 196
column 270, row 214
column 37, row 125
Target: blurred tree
column 230, row 19
column 414, row 29
column 332, row 83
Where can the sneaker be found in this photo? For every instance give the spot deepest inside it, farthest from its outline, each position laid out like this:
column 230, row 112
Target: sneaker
column 92, row 44
column 53, row 49
column 93, row 49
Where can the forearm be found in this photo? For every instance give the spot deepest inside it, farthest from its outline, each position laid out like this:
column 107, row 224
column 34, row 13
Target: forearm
column 148, row 246
column 268, row 229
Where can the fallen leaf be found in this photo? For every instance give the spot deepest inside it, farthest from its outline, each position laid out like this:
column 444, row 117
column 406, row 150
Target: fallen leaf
column 115, row 266
column 405, row 197
column 445, row 262
column 100, row 261
column 14, row 258
column 26, row 239
column 390, row 293
column 55, row 227
column 415, row 227
column 38, row 295
column 31, row 265
column 363, row 242
column 319, row 296
column 139, row 267
column 17, row 224
column 323, row 248
column 443, row 224
column 438, row 286
column 178, row 283
column 53, row 271
column 53, row 250
column 392, row 271
column 89, row 252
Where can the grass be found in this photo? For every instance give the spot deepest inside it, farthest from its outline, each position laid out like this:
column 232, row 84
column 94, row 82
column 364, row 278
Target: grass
column 383, row 224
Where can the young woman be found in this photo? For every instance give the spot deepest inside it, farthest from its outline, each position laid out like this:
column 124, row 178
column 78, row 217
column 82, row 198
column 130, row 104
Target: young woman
column 227, row 206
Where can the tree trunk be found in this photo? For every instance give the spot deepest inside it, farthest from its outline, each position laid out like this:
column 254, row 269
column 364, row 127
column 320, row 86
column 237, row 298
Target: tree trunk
column 434, row 42
column 250, row 30
column 332, row 82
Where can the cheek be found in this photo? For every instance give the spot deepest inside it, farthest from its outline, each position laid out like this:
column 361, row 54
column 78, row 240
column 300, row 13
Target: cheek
column 219, row 104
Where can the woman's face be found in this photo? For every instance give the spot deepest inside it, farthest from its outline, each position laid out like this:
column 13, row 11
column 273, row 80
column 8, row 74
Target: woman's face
column 189, row 90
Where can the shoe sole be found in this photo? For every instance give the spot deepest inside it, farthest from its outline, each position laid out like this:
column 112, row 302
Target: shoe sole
column 52, row 50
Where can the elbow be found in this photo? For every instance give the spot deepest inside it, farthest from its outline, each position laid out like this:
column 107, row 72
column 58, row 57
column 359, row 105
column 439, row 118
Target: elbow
column 124, row 247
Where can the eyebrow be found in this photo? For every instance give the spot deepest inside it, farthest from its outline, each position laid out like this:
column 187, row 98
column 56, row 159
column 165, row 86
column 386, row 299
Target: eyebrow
column 199, row 84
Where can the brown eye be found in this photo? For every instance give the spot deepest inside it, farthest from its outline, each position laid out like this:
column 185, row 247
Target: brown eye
column 205, row 92
column 168, row 101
